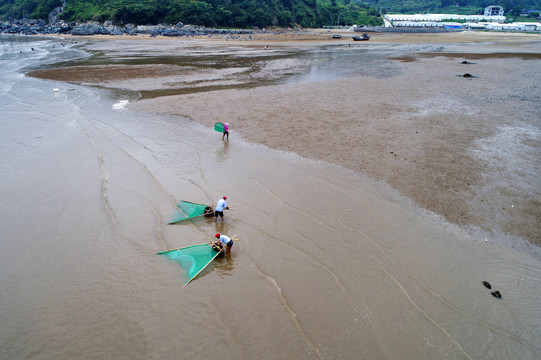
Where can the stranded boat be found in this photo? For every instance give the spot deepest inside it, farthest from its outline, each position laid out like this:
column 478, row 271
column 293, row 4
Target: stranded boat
column 364, row 37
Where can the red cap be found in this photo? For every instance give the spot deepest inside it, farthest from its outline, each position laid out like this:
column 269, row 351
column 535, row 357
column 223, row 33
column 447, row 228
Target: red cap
column 225, row 197
column 217, row 235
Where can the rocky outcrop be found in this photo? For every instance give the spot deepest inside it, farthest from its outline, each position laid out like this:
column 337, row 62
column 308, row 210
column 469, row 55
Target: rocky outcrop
column 36, row 27
column 53, row 15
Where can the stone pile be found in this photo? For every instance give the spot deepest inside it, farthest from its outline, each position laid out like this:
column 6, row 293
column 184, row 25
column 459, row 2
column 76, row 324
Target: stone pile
column 37, row 27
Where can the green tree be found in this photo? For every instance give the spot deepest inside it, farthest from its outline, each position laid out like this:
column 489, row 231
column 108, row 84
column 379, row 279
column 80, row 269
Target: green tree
column 224, row 13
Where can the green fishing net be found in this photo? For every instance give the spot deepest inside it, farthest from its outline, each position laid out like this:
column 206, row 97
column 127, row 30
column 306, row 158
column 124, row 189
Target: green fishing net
column 193, row 259
column 188, row 210
column 219, row 127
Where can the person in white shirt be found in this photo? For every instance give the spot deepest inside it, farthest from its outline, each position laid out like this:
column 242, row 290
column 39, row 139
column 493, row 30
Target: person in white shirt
column 220, row 207
column 224, row 242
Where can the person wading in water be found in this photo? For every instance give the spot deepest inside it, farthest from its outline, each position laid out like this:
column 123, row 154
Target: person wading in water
column 220, row 207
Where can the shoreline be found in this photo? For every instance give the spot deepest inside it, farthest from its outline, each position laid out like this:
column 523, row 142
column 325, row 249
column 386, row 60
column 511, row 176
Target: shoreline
column 417, row 136
column 316, row 37
column 331, row 262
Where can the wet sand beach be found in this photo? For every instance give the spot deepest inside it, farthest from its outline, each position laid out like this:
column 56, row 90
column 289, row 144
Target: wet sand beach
column 411, row 119
column 374, row 189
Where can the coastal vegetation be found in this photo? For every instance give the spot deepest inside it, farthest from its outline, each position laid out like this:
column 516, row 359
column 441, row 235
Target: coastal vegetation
column 210, row 13
column 249, row 14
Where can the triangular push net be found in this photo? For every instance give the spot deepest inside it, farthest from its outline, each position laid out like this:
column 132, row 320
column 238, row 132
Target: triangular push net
column 219, row 127
column 193, row 259
column 189, row 210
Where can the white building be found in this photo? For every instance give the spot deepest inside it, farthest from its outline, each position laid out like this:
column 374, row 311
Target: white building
column 395, row 19
column 517, row 26
column 494, row 10
column 506, row 27
column 475, row 26
column 528, row 26
column 488, row 21
column 418, row 24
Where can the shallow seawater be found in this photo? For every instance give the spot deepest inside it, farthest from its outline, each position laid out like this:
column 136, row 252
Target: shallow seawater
column 330, row 265
column 250, row 68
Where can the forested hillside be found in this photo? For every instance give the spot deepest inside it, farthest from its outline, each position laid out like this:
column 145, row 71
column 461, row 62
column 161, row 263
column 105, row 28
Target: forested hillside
column 210, row 13
column 247, row 13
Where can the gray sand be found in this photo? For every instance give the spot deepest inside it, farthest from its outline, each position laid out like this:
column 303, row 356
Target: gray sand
column 466, row 148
